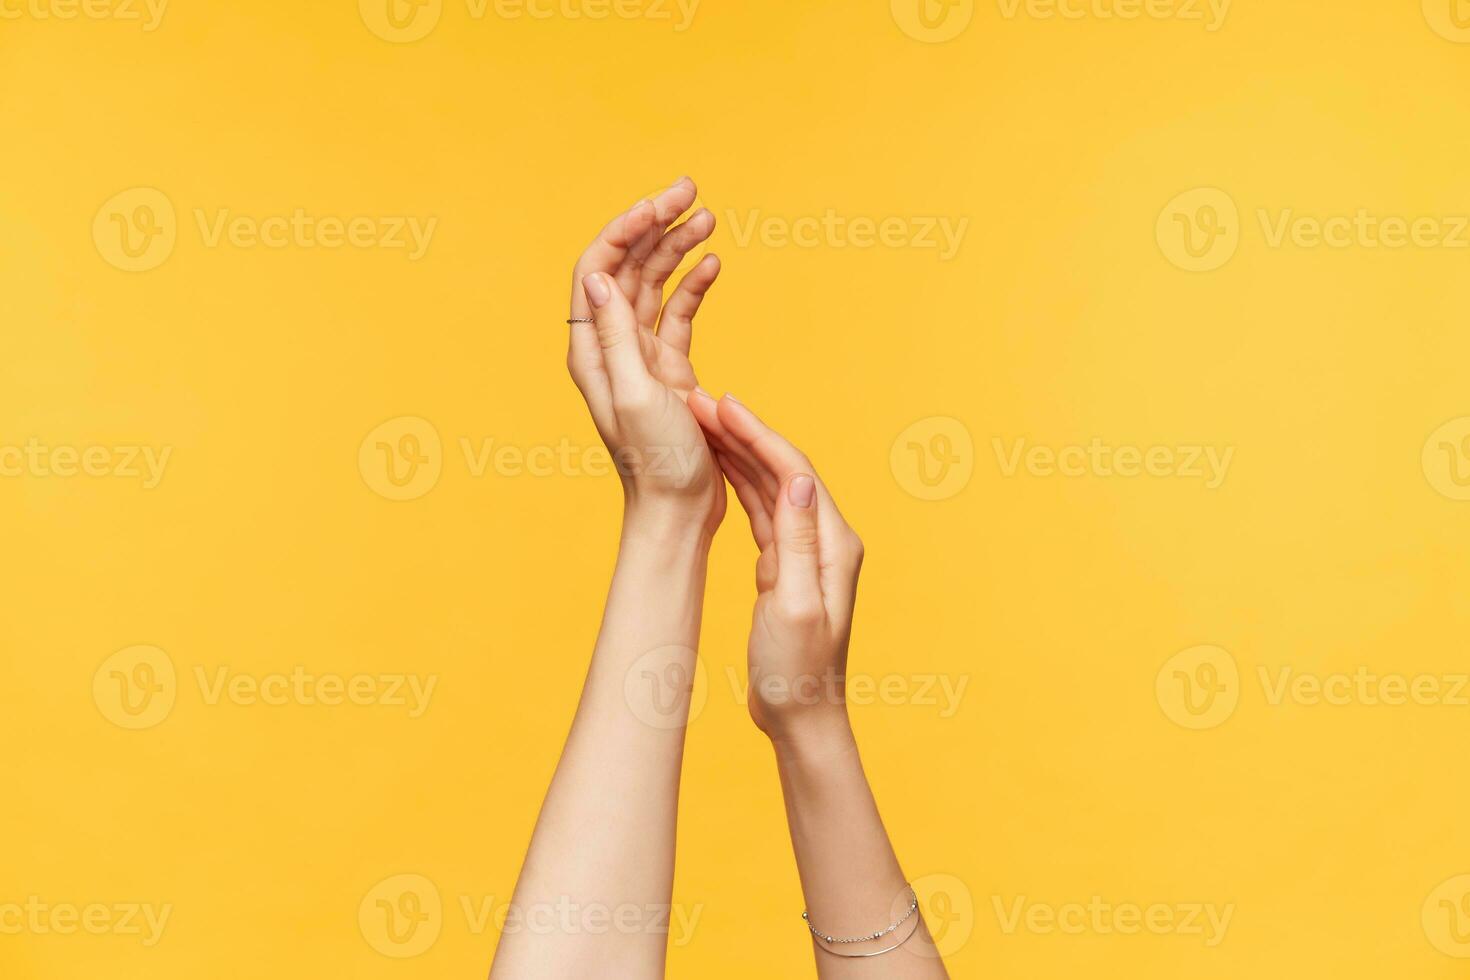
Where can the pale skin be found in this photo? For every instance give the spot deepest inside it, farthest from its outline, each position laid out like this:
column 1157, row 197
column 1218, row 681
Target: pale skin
column 605, row 836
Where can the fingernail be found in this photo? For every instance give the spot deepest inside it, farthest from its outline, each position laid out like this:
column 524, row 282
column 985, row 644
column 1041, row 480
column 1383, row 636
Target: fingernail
column 802, row 491
column 679, row 181
column 733, row 398
column 641, row 201
column 597, row 291
column 703, row 392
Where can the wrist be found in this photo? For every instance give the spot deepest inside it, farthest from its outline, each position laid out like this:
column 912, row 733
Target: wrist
column 816, row 740
column 668, row 524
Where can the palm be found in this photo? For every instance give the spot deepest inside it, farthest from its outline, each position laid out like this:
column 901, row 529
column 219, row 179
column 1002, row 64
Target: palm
column 667, row 363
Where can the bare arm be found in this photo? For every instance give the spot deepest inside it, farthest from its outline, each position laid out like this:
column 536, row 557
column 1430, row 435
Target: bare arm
column 806, row 579
column 594, row 892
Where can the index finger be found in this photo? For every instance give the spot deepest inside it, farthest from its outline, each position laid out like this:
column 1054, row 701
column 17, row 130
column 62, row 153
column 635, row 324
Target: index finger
column 782, row 459
column 610, row 248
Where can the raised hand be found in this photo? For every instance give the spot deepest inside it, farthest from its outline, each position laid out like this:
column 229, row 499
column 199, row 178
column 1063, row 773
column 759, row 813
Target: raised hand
column 632, row 366
column 605, row 836
column 806, row 576
column 859, row 904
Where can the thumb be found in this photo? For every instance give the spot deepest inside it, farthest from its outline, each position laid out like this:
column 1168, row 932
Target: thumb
column 798, row 551
column 617, row 334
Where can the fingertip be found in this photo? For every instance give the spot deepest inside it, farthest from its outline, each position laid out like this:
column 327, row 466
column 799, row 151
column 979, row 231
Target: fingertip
column 640, row 218
column 595, row 285
column 701, row 398
column 708, row 269
column 801, row 491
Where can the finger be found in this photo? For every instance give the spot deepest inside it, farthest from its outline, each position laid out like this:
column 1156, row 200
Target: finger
column 706, row 413
column 675, row 200
column 667, row 205
column 676, row 325
column 610, row 248
column 605, row 254
column 617, row 336
column 750, row 500
column 664, row 259
column 674, row 245
column 798, row 548
column 842, row 550
column 773, row 451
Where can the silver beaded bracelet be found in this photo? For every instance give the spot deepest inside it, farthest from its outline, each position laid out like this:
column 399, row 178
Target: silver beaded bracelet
column 835, row 940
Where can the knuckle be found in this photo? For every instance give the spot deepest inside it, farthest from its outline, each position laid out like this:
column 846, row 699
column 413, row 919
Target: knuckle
column 635, row 400
column 802, row 539
column 765, row 571
column 800, row 610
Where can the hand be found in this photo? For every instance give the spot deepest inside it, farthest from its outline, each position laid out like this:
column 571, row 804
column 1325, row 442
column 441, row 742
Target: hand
column 806, row 576
column 633, row 366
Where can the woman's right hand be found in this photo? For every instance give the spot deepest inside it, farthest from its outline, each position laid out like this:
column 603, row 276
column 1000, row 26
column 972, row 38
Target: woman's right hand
column 632, row 364
column 806, row 576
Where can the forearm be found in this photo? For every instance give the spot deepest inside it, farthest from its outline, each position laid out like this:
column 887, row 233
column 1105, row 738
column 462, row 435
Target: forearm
column 605, row 837
column 850, row 876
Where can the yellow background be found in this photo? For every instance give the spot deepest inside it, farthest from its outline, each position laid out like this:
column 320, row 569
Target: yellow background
column 1058, row 600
